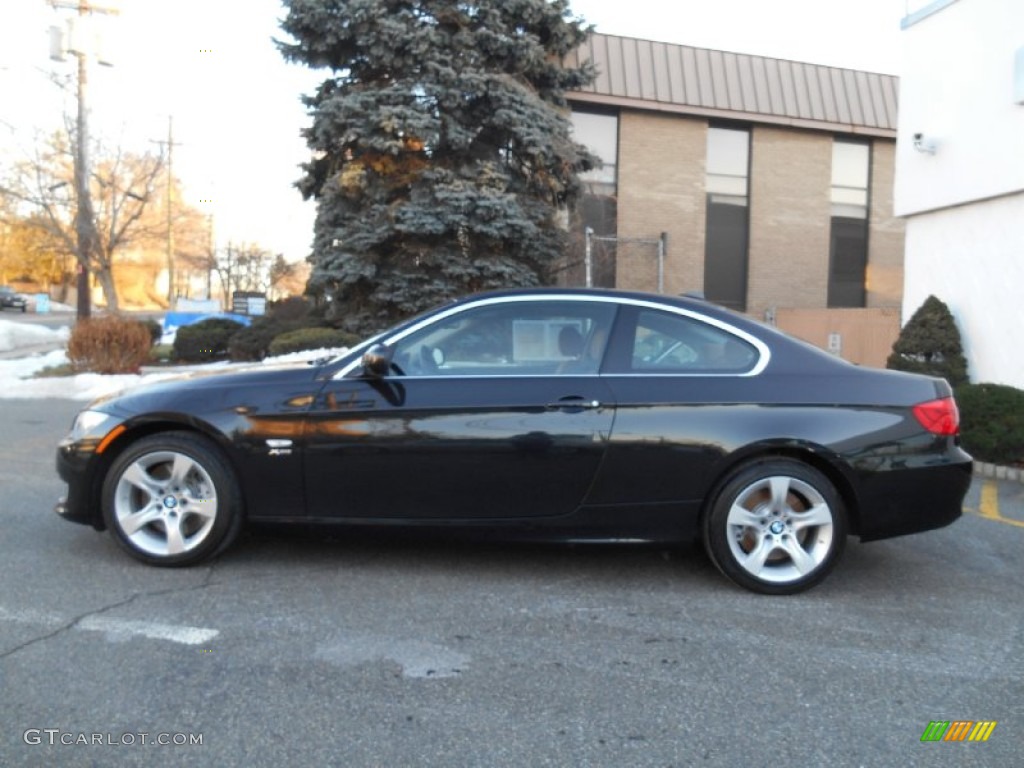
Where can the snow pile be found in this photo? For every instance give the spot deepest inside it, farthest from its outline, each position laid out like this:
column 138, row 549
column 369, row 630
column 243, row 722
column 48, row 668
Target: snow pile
column 17, row 335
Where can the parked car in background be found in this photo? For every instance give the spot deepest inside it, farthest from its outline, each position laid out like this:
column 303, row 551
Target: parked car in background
column 9, row 299
column 545, row 414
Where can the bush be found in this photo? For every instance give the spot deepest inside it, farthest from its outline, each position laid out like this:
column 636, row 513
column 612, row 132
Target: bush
column 109, row 344
column 992, row 422
column 253, row 342
column 156, row 330
column 291, row 309
column 204, row 341
column 930, row 343
column 287, row 315
column 310, row 338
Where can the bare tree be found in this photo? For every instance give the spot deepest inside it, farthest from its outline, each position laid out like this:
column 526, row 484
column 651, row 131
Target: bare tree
column 122, row 185
column 244, row 267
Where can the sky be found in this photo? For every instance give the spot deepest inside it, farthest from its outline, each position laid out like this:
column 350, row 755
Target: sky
column 211, row 65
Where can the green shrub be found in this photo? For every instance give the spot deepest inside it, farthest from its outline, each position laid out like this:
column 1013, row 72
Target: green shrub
column 253, row 342
column 109, row 344
column 310, row 338
column 204, row 341
column 156, row 330
column 930, row 343
column 291, row 314
column 992, row 422
column 291, row 309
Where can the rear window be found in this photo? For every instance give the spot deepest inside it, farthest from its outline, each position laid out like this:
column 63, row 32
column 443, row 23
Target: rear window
column 669, row 343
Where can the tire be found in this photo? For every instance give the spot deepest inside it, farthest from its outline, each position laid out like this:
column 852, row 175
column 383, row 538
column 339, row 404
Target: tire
column 171, row 499
column 776, row 527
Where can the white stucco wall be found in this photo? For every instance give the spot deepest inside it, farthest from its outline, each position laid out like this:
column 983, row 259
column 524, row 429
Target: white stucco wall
column 957, row 88
column 972, row 257
column 964, row 205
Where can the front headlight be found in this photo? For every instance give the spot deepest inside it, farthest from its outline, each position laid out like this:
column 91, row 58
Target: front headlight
column 91, row 424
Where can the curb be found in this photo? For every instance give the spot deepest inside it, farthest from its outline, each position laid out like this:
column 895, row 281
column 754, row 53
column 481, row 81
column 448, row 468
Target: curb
column 997, row 472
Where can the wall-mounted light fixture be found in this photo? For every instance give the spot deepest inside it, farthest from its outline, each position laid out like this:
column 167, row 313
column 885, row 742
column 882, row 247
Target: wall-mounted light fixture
column 924, row 144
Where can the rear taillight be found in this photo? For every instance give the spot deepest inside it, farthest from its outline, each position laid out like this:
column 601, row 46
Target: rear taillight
column 940, row 417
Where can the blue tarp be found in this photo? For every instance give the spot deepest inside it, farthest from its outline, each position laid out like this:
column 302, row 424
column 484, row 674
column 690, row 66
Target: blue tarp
column 174, row 320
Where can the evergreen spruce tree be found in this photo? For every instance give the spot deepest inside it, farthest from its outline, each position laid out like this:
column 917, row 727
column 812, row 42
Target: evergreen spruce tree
column 441, row 144
column 930, row 343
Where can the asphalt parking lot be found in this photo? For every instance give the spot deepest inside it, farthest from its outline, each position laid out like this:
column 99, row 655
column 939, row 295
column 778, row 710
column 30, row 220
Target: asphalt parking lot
column 301, row 648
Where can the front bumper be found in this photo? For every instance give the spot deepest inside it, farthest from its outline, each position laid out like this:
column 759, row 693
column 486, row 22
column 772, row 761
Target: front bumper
column 79, row 505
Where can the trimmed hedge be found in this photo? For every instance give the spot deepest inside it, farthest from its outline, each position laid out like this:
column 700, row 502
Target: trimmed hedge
column 992, row 422
column 204, row 341
column 109, row 344
column 310, row 338
column 253, row 343
column 930, row 344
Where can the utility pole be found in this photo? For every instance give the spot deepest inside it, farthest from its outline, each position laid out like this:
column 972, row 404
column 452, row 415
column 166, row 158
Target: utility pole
column 85, row 221
column 170, row 209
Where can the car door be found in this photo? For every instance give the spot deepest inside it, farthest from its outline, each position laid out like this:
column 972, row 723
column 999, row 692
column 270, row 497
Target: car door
column 494, row 411
column 682, row 383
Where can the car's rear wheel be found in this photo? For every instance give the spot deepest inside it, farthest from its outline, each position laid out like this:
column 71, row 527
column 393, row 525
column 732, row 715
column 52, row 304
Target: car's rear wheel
column 776, row 527
column 172, row 499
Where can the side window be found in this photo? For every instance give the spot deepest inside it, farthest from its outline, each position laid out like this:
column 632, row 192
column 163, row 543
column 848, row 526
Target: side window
column 517, row 338
column 668, row 343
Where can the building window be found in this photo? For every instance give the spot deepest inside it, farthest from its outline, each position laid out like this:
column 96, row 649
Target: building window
column 600, row 134
column 598, row 211
column 848, row 249
column 728, row 221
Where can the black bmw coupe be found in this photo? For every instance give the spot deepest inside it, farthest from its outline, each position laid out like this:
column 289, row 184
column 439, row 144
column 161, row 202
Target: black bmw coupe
column 549, row 414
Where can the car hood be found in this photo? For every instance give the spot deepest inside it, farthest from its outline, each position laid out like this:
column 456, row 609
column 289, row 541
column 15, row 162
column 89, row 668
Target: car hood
column 205, row 390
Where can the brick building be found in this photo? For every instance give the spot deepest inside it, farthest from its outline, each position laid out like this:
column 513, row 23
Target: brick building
column 771, row 179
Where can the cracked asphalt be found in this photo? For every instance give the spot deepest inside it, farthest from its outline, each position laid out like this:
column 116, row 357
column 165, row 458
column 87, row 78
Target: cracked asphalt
column 321, row 648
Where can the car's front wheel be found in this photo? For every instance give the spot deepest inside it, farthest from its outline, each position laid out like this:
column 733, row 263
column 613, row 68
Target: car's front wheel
column 776, row 527
column 172, row 499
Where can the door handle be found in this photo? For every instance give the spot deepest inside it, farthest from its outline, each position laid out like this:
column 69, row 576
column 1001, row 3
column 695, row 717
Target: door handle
column 574, row 403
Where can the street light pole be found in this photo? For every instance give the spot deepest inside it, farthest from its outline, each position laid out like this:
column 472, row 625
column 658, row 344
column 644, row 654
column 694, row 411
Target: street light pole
column 170, row 214
column 85, row 221
column 171, row 143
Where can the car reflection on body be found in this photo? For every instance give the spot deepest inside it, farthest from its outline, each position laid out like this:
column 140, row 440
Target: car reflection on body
column 545, row 414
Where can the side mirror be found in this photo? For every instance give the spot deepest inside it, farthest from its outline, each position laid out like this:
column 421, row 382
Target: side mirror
column 377, row 360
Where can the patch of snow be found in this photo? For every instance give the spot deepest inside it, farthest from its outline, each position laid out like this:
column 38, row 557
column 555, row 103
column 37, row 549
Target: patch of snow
column 17, row 335
column 17, row 376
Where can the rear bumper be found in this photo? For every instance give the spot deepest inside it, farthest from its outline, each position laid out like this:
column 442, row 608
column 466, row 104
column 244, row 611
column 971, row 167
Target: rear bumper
column 901, row 502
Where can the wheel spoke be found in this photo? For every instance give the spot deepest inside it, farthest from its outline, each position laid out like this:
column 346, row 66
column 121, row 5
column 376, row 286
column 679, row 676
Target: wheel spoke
column 175, row 538
column 182, row 466
column 132, row 523
column 740, row 515
column 137, row 476
column 802, row 561
column 754, row 562
column 780, row 493
column 819, row 514
column 207, row 511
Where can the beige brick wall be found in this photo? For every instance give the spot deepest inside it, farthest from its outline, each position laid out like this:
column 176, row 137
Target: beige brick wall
column 661, row 189
column 790, row 182
column 885, row 231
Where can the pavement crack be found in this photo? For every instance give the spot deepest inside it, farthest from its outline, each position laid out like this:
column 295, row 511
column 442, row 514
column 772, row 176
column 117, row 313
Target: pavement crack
column 68, row 626
column 77, row 620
